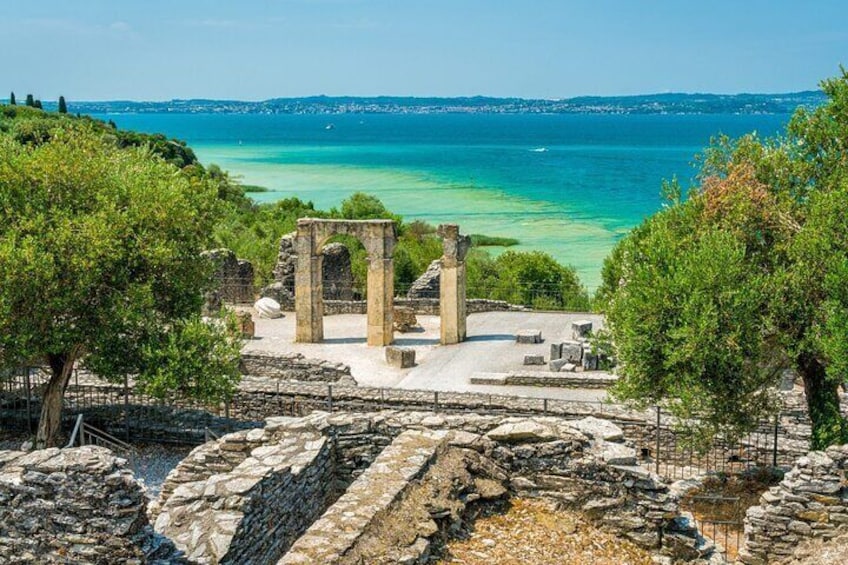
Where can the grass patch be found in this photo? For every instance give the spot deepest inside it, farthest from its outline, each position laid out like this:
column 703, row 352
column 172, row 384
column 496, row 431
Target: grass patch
column 480, row 240
column 253, row 188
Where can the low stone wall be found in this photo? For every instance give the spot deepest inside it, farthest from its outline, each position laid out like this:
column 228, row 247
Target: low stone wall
column 294, row 367
column 419, row 305
column 78, row 505
column 334, row 536
column 810, row 502
column 540, row 378
column 254, row 512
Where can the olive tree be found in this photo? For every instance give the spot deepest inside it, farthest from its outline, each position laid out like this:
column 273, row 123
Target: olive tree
column 100, row 262
column 714, row 296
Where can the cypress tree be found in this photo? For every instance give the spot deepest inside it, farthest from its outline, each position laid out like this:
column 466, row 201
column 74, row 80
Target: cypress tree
column 12, row 101
column 30, row 101
column 63, row 108
column 37, row 104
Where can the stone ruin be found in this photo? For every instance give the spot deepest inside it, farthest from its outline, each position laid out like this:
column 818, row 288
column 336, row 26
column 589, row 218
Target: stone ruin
column 233, row 279
column 387, row 487
column 336, row 273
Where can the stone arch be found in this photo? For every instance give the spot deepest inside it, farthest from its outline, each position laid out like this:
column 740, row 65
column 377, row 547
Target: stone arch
column 379, row 238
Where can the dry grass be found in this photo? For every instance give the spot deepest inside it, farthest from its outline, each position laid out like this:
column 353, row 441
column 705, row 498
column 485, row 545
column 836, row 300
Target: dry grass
column 531, row 532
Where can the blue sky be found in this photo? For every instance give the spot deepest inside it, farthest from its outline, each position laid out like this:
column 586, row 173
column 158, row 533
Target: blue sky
column 255, row 49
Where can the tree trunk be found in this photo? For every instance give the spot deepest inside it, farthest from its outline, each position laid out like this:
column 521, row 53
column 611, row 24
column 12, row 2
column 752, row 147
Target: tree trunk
column 49, row 425
column 829, row 426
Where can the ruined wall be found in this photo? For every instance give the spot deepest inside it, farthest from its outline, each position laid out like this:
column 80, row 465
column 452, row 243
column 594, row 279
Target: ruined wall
column 233, row 277
column 294, row 367
column 253, row 512
column 810, row 502
column 582, row 464
column 79, row 505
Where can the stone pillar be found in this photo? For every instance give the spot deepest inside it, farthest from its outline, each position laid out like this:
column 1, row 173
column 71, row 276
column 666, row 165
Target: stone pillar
column 452, row 308
column 379, row 241
column 381, row 290
column 308, row 288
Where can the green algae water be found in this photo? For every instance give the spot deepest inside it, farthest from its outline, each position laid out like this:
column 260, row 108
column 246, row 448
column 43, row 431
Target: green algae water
column 571, row 185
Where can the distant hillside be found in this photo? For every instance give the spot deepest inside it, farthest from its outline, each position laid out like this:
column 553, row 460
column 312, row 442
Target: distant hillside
column 671, row 103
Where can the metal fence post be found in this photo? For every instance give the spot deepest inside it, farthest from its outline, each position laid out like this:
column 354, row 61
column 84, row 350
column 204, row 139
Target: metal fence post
column 126, row 408
column 435, row 401
column 545, row 406
column 28, row 405
column 657, row 456
column 774, row 448
column 330, row 398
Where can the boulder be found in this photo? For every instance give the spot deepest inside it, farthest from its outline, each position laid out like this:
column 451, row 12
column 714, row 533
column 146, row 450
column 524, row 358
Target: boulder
column 400, row 357
column 427, row 285
column 268, row 308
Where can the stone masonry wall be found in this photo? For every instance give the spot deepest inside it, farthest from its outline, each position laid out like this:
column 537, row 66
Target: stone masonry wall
column 294, row 367
column 810, row 502
column 254, row 512
column 79, row 505
column 581, row 463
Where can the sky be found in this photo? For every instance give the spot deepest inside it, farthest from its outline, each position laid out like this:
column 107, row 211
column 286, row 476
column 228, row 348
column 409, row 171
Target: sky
column 260, row 49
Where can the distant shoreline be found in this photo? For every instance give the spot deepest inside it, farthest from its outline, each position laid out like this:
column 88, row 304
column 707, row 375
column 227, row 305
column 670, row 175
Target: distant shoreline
column 646, row 104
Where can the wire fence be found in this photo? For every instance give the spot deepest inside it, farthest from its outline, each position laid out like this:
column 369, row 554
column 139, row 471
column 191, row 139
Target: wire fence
column 531, row 294
column 124, row 411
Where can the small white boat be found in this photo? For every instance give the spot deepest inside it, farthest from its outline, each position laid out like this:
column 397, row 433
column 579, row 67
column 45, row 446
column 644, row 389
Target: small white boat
column 330, row 126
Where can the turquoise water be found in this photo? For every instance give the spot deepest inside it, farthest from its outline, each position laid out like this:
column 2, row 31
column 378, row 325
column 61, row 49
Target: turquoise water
column 571, row 185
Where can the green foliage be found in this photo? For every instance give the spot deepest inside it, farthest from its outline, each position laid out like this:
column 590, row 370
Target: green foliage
column 99, row 254
column 63, row 107
column 480, row 240
column 710, row 298
column 530, row 278
column 361, row 206
column 193, row 358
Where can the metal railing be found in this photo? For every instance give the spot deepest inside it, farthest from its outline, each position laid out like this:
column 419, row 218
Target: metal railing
column 86, row 434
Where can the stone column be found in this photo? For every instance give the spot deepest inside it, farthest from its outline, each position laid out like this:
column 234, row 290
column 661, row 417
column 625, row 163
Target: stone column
column 452, row 308
column 381, row 290
column 308, row 287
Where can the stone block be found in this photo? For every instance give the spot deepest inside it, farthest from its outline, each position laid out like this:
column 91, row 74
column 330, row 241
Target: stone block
column 533, row 359
column 556, row 365
column 572, row 351
column 528, row 336
column 556, row 351
column 400, row 357
column 581, row 328
column 246, row 325
column 403, row 319
column 268, row 308
column 590, row 361
column 568, row 368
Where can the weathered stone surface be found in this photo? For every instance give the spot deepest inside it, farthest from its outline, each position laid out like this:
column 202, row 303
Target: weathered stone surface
column 528, row 336
column 523, row 431
column 599, row 429
column 572, row 351
column 246, row 325
column 267, row 308
column 533, row 359
column 404, row 319
column 427, row 285
column 590, row 361
column 556, row 365
column 581, row 328
column 807, row 504
column 337, row 276
column 293, row 367
column 233, row 276
column 400, row 357
column 73, row 506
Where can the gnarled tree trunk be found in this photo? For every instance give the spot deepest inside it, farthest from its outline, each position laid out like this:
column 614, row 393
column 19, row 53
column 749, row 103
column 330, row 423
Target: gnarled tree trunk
column 829, row 426
column 49, row 425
